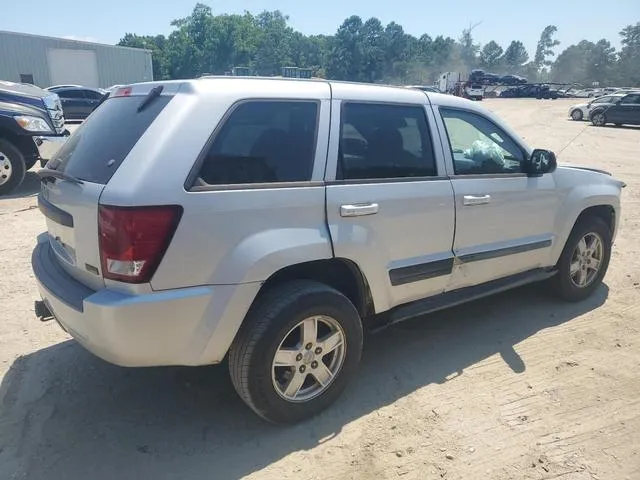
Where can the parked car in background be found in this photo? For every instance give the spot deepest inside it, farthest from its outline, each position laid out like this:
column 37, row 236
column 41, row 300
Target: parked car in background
column 625, row 111
column 491, row 79
column 31, row 129
column 530, row 91
column 78, row 102
column 513, row 80
column 628, row 90
column 269, row 222
column 474, row 91
column 581, row 111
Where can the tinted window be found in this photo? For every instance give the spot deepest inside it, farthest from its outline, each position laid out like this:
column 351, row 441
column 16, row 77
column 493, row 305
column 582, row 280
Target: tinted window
column 384, row 141
column 93, row 95
column 633, row 98
column 70, row 93
column 98, row 147
column 263, row 142
column 603, row 100
column 479, row 146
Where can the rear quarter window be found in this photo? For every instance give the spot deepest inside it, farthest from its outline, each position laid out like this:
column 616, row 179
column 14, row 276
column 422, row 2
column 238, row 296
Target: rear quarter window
column 98, row 147
column 263, row 142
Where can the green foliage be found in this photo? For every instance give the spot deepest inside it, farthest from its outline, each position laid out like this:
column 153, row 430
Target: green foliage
column 491, row 56
column 629, row 60
column 368, row 51
column 515, row 56
column 545, row 47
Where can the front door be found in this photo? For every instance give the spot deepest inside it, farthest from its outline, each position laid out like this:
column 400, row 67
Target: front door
column 504, row 219
column 627, row 111
column 389, row 203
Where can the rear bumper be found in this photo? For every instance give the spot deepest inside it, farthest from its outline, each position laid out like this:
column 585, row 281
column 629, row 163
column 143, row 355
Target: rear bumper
column 48, row 146
column 188, row 326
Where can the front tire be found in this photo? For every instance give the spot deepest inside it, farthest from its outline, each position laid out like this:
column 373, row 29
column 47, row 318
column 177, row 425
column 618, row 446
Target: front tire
column 584, row 260
column 12, row 167
column 299, row 346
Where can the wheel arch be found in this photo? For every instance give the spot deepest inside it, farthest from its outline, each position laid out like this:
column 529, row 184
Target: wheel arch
column 340, row 273
column 602, row 208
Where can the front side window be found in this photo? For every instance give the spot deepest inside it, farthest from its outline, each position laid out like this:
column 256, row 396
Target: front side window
column 383, row 141
column 263, row 142
column 602, row 100
column 479, row 146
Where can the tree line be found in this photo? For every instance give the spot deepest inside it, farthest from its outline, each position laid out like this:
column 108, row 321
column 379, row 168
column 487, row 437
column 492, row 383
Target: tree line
column 369, row 51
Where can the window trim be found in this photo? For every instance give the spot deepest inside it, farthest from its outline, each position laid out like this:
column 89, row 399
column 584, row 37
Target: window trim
column 362, row 181
column 190, row 181
column 449, row 151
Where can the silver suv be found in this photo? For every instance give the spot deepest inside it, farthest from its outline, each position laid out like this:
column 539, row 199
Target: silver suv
column 273, row 220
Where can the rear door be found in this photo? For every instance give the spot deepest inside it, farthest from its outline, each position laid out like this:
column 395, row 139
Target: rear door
column 73, row 102
column 389, row 204
column 92, row 100
column 88, row 159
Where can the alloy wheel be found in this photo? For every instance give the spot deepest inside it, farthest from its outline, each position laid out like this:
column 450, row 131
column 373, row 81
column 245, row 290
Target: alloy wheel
column 586, row 260
column 308, row 359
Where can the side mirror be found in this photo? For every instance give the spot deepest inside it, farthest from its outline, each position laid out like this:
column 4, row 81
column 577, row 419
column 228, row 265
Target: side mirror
column 540, row 162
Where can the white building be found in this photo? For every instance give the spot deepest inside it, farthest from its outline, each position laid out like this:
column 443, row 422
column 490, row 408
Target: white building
column 47, row 61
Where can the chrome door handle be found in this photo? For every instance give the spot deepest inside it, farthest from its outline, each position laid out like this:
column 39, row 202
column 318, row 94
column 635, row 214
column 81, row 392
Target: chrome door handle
column 471, row 200
column 358, row 210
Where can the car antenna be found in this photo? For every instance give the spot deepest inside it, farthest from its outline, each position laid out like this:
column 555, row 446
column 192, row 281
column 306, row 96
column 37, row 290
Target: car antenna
column 153, row 94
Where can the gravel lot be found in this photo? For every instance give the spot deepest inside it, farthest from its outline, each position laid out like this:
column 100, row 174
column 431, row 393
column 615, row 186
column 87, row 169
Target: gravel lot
column 512, row 387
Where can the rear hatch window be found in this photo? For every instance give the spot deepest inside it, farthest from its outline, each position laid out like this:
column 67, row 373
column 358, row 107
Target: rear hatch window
column 99, row 146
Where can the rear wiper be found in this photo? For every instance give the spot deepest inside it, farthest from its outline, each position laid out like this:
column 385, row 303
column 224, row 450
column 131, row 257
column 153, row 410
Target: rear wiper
column 47, row 173
column 151, row 96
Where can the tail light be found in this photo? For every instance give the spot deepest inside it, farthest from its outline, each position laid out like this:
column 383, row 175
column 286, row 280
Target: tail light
column 133, row 240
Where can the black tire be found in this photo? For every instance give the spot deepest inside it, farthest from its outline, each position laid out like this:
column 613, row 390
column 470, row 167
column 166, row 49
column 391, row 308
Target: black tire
column 599, row 119
column 577, row 115
column 269, row 320
column 15, row 173
column 561, row 284
column 618, row 124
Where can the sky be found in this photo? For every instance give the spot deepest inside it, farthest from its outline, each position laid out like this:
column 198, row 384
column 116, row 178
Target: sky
column 499, row 20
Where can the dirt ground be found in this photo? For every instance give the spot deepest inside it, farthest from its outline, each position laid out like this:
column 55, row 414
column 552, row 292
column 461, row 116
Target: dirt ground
column 512, row 387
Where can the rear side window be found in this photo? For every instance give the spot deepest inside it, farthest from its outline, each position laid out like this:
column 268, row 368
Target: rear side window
column 71, row 93
column 263, row 142
column 99, row 146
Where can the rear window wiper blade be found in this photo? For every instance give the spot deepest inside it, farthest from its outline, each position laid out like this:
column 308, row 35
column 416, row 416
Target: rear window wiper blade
column 47, row 173
column 151, row 96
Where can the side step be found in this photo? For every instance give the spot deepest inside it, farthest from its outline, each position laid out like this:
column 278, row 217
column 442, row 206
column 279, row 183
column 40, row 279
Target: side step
column 463, row 295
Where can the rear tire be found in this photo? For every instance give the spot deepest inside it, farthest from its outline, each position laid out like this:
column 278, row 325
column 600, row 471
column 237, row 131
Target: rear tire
column 577, row 277
column 278, row 324
column 12, row 167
